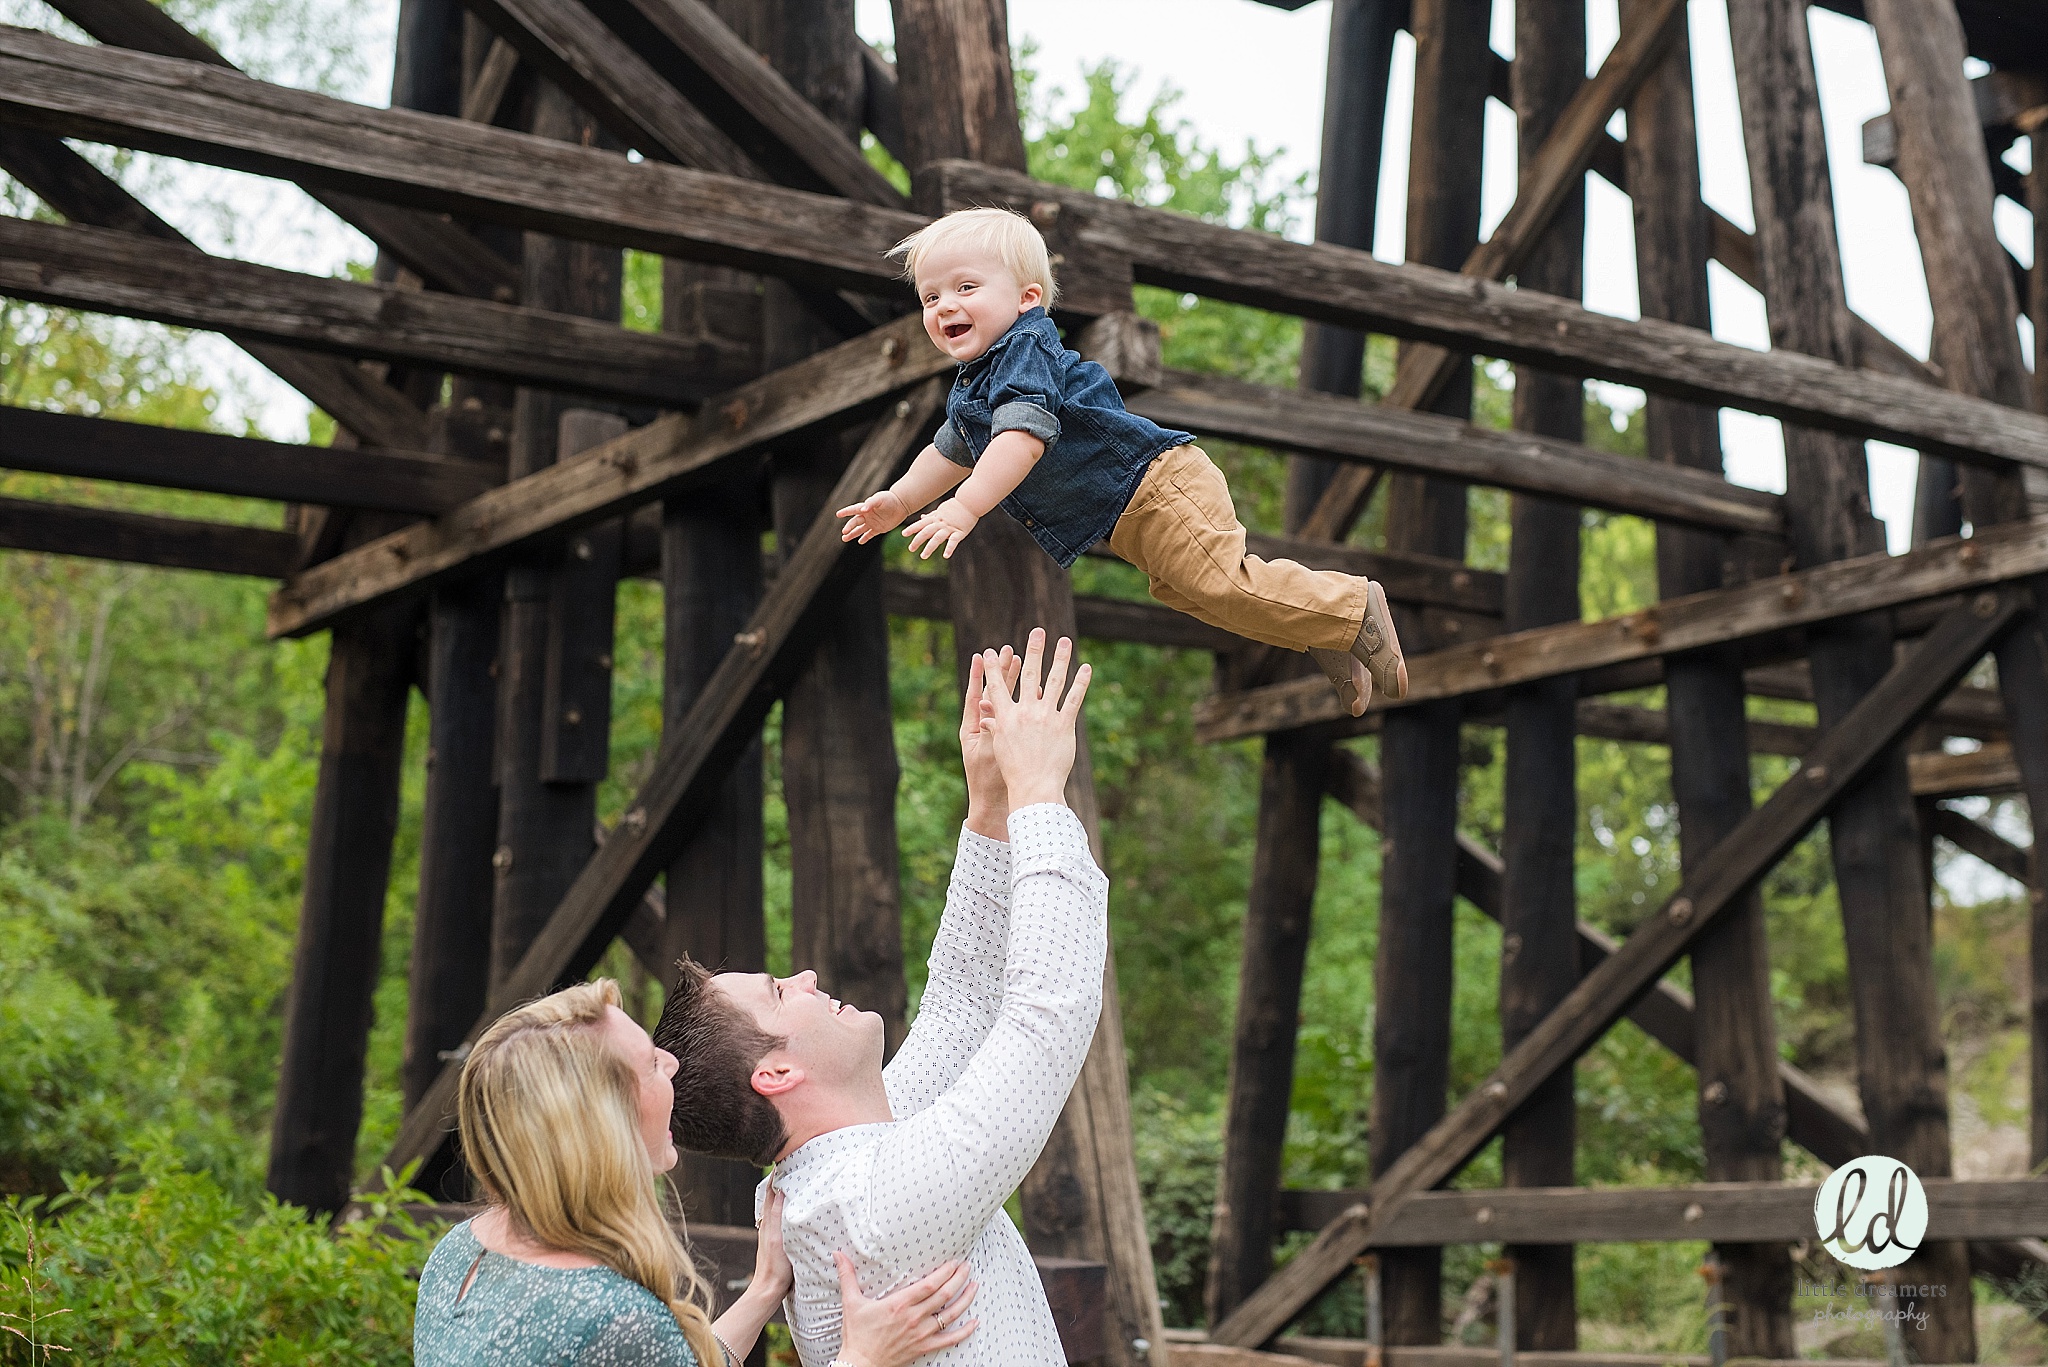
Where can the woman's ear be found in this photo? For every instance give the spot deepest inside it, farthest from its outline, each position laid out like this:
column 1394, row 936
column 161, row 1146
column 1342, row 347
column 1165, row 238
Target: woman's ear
column 775, row 1075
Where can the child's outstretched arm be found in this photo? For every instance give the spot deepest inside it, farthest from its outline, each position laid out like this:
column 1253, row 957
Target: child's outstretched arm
column 1002, row 467
column 930, row 475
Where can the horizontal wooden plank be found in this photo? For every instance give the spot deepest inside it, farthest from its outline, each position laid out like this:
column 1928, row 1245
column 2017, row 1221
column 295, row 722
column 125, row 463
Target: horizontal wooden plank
column 145, row 539
column 208, row 462
column 834, row 386
column 143, row 277
column 1350, row 288
column 1844, row 588
column 1334, row 1352
column 1979, row 773
column 1722, row 1212
column 205, row 114
column 1427, row 443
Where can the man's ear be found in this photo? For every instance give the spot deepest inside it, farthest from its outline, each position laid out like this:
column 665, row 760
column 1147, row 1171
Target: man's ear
column 775, row 1076
column 1032, row 297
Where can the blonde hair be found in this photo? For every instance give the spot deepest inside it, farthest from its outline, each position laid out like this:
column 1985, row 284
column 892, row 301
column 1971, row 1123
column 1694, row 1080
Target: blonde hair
column 549, row 1115
column 1001, row 234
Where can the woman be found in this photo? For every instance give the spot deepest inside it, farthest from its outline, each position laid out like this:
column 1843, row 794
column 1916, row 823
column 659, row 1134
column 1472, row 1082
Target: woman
column 564, row 1111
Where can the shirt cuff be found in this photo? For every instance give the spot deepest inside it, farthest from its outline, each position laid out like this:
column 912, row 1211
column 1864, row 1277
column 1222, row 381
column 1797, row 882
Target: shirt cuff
column 950, row 445
column 1047, row 837
column 982, row 866
column 1021, row 415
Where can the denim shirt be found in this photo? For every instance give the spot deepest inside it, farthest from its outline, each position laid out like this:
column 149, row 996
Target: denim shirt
column 1096, row 451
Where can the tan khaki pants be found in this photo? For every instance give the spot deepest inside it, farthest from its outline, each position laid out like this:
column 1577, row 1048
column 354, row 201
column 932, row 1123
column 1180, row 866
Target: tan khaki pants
column 1182, row 530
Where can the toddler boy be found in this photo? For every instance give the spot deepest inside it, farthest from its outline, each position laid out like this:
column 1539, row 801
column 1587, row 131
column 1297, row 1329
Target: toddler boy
column 1032, row 427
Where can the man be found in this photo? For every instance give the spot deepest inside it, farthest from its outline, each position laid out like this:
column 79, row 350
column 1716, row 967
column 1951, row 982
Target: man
column 907, row 1167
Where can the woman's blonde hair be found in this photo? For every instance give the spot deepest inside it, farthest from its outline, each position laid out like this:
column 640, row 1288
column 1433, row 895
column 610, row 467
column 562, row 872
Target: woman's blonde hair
column 1002, row 235
column 549, row 1113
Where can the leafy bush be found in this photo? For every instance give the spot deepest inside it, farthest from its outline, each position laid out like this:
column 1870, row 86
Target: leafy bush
column 165, row 1266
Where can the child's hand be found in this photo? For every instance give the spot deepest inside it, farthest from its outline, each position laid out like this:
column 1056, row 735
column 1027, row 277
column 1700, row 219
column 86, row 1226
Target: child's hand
column 943, row 528
column 880, row 513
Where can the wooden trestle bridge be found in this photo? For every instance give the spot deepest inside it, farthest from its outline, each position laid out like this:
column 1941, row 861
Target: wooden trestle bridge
column 507, row 451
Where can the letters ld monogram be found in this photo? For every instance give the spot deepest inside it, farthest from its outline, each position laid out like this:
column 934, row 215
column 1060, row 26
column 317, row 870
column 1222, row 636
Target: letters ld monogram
column 1860, row 1230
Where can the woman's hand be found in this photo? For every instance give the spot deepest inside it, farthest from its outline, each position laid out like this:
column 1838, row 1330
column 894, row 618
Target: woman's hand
column 909, row 1322
column 773, row 1275
column 878, row 513
column 943, row 528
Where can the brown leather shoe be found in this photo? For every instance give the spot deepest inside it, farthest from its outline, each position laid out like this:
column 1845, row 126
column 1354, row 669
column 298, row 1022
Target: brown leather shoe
column 1379, row 647
column 1348, row 675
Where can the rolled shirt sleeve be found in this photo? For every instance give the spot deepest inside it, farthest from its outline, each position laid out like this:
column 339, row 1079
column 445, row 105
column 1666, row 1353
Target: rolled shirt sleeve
column 951, row 444
column 1025, row 391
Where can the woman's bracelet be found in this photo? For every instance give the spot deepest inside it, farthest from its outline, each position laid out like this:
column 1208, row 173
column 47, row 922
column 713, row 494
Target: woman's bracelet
column 732, row 1359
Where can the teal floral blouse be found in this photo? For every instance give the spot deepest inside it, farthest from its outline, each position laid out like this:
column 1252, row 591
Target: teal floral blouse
column 517, row 1314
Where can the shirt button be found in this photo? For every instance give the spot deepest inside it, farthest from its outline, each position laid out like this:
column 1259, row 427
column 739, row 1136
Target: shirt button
column 1029, row 523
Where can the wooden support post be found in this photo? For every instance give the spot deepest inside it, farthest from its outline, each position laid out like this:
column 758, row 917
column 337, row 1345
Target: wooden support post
column 451, row 945
column 328, row 1010
column 1419, row 745
column 1843, row 761
column 1874, row 833
column 1279, row 908
column 1081, row 1199
column 1741, row 1096
column 1947, row 173
column 839, row 769
column 544, row 827
column 1539, row 904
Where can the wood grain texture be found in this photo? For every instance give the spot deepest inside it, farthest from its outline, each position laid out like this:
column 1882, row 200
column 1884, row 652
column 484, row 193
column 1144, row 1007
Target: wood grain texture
column 1799, row 599
column 1987, row 772
column 141, row 277
column 693, row 760
column 1723, row 1212
column 206, row 114
column 644, row 465
column 375, row 412
column 135, row 453
column 146, row 539
column 1349, row 288
column 1387, row 437
column 1975, row 838
column 427, row 244
column 748, row 100
column 1841, row 760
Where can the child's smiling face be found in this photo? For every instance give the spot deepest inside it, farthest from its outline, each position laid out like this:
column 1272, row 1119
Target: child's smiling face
column 970, row 299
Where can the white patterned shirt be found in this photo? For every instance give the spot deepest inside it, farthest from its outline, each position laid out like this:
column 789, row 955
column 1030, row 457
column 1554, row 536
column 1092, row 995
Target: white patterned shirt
column 1014, row 987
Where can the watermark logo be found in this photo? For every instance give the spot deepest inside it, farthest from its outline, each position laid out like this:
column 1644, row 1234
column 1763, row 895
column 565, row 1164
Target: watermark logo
column 1871, row 1213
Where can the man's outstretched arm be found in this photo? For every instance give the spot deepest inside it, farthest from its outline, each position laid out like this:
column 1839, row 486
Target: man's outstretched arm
column 964, row 977
column 943, row 1173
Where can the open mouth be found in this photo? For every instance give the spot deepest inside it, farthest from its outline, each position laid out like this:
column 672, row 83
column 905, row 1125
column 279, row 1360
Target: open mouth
column 955, row 331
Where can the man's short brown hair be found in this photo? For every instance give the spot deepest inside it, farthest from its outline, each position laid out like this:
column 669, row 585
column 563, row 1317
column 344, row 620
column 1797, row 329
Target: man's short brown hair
column 716, row 1044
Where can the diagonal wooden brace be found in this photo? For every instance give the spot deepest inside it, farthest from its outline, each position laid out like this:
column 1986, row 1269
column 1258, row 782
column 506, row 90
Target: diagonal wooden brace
column 1901, row 699
column 695, row 756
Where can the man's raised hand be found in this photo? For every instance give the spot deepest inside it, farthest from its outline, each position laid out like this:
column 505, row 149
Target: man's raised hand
column 1034, row 730
column 988, row 803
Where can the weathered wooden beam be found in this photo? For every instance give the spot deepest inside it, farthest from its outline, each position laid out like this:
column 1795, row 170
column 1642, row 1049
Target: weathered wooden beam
column 1553, row 173
column 646, row 464
column 693, row 759
column 1803, row 598
column 1986, row 772
column 1722, row 1212
column 209, row 462
column 446, row 165
column 481, row 102
column 142, row 277
column 1346, row 287
column 363, row 404
column 435, row 249
column 1390, row 437
column 145, row 539
column 1665, row 1012
column 1906, row 693
column 1976, row 838
column 747, row 99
